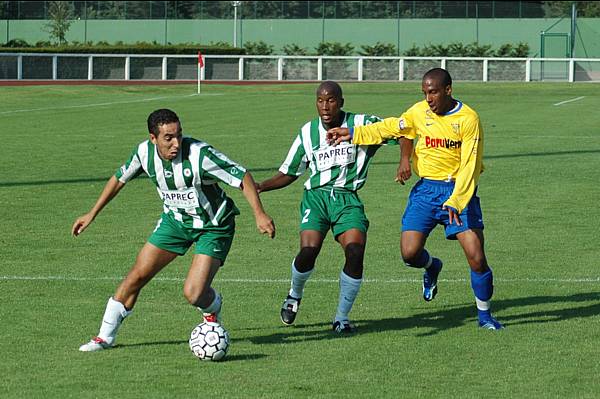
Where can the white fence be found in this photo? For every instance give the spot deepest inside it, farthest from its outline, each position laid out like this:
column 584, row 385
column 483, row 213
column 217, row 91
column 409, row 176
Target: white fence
column 32, row 66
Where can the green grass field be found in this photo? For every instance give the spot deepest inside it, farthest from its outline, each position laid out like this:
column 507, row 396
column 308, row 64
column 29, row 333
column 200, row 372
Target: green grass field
column 539, row 192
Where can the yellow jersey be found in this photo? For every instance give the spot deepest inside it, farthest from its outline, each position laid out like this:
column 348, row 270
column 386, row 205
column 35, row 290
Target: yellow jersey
column 449, row 147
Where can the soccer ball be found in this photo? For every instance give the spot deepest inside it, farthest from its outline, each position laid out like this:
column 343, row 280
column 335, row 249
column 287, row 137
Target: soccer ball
column 209, row 341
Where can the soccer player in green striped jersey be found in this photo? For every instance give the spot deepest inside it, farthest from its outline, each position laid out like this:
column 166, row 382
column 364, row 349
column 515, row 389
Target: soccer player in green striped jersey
column 196, row 210
column 330, row 200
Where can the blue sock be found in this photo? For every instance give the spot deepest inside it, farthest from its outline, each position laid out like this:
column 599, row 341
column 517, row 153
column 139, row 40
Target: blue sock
column 483, row 285
column 423, row 261
column 483, row 288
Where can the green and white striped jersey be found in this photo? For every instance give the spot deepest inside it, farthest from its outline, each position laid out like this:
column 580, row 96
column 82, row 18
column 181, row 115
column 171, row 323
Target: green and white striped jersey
column 343, row 166
column 188, row 185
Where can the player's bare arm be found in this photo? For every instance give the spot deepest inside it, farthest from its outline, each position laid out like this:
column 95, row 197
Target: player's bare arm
column 404, row 170
column 264, row 222
column 111, row 189
column 338, row 134
column 278, row 181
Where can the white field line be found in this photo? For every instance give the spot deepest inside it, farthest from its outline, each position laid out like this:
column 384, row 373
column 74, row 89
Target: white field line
column 316, row 280
column 570, row 101
column 141, row 100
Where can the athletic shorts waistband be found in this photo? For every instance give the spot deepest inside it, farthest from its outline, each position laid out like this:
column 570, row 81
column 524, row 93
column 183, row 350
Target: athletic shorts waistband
column 438, row 182
column 337, row 190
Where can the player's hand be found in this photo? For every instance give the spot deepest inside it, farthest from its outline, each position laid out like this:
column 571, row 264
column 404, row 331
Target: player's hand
column 81, row 223
column 453, row 216
column 265, row 225
column 337, row 135
column 404, row 171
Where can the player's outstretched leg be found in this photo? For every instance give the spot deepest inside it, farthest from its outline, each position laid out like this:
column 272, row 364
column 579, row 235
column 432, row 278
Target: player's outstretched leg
column 114, row 315
column 291, row 304
column 483, row 288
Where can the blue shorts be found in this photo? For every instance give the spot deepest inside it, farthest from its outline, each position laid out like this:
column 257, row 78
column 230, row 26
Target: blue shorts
column 424, row 209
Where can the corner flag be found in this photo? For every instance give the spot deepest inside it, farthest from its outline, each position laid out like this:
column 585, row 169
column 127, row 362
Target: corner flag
column 200, row 66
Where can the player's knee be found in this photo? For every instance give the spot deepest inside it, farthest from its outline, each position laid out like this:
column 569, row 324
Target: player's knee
column 411, row 255
column 354, row 260
column 306, row 258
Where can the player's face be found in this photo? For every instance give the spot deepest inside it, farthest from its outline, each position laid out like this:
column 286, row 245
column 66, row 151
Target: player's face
column 168, row 141
column 437, row 96
column 329, row 107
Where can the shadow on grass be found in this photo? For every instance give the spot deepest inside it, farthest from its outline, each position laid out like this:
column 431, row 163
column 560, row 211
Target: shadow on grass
column 443, row 319
column 228, row 358
column 155, row 343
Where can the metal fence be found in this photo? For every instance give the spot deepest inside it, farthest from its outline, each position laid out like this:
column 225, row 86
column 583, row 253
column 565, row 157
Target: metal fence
column 97, row 67
column 286, row 9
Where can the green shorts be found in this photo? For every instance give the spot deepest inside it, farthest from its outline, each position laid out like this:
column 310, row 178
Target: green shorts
column 338, row 210
column 174, row 236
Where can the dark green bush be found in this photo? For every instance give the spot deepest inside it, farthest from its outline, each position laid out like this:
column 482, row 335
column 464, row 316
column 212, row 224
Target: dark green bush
column 334, row 48
column 258, row 48
column 379, row 50
column 294, row 49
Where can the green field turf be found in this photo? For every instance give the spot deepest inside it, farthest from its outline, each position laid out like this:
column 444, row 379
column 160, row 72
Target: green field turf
column 540, row 194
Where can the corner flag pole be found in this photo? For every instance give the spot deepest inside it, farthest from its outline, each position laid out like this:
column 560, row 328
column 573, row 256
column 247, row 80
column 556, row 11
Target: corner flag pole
column 200, row 66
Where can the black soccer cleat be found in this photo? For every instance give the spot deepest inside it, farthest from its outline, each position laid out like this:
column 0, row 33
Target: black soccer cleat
column 289, row 310
column 343, row 327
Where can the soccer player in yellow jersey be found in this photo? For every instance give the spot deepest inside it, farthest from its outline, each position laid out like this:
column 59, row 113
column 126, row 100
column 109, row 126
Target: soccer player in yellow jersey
column 447, row 158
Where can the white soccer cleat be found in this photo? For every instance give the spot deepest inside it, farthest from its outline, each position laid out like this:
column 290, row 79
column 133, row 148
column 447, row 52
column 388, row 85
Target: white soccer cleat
column 95, row 345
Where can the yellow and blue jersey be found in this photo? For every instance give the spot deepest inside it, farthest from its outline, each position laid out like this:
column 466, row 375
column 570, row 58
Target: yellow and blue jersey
column 449, row 147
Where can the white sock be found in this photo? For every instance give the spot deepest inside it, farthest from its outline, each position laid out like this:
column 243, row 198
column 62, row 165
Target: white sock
column 298, row 282
column 349, row 288
column 215, row 306
column 114, row 315
column 482, row 305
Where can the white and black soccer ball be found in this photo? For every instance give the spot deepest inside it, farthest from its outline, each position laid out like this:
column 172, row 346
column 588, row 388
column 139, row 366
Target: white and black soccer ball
column 209, row 341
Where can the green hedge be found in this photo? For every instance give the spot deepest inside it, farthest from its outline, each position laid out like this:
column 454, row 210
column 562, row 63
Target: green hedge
column 262, row 48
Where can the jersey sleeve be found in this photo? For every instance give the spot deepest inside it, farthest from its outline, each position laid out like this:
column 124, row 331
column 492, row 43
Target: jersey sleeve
column 382, row 131
column 370, row 119
column 471, row 155
column 130, row 169
column 215, row 165
column 296, row 161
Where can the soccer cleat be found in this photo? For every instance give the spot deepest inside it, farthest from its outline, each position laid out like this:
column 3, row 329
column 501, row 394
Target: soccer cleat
column 95, row 345
column 490, row 323
column 212, row 317
column 343, row 327
column 289, row 310
column 430, row 277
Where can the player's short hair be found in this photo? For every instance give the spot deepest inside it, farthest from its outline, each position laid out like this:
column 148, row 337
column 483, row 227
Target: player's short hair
column 332, row 87
column 161, row 117
column 440, row 75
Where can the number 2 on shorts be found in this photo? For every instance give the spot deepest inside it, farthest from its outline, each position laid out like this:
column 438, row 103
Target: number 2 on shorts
column 306, row 213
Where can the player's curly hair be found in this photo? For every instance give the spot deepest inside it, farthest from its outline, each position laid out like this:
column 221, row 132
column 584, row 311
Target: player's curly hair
column 161, row 117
